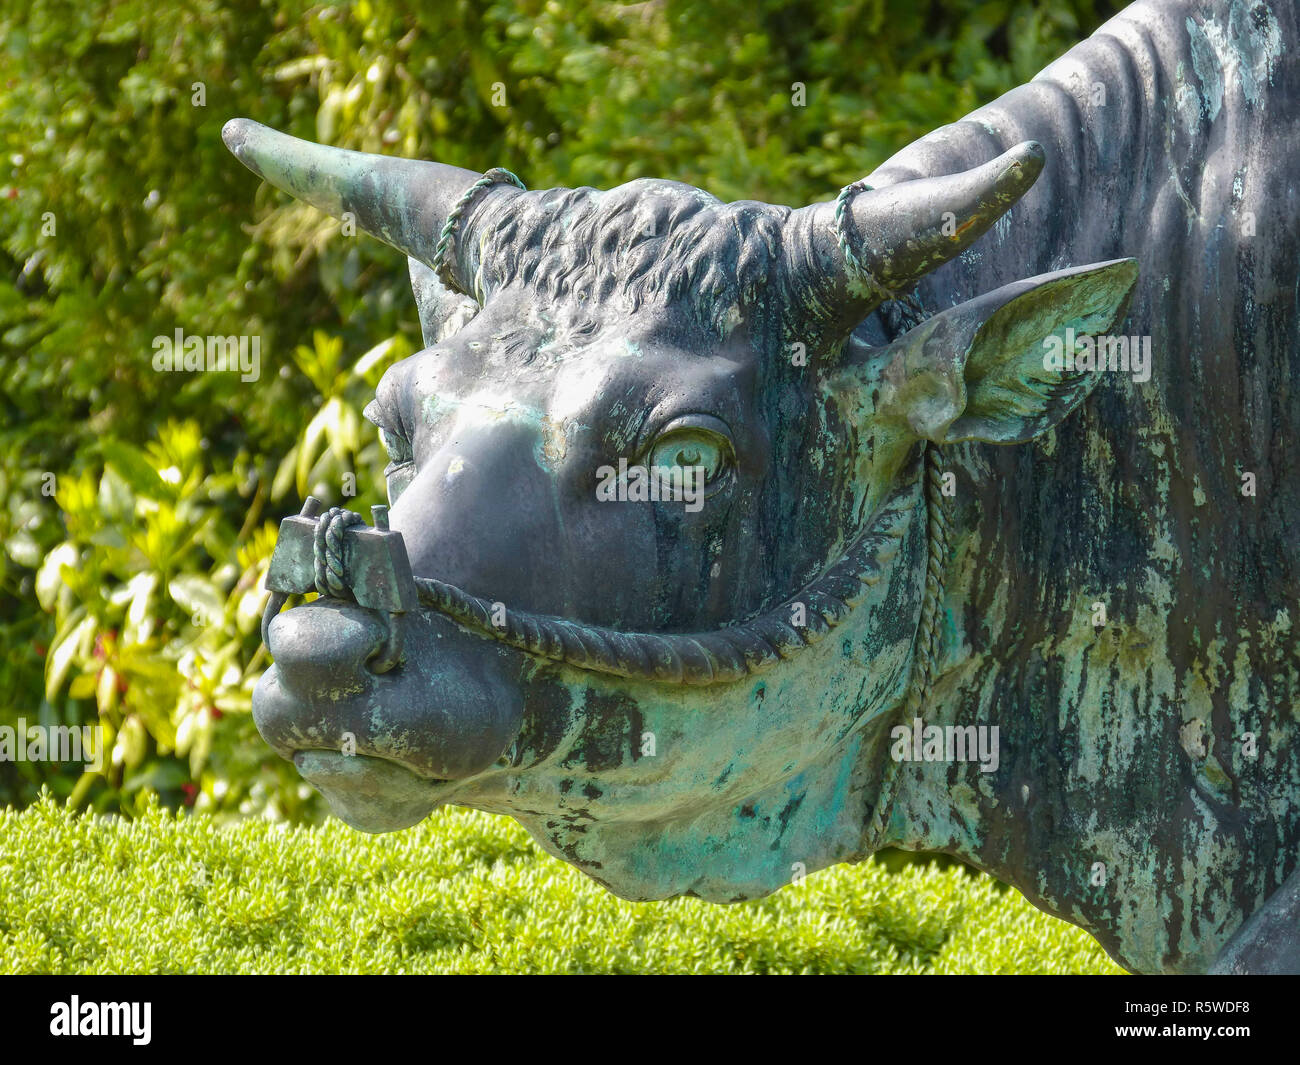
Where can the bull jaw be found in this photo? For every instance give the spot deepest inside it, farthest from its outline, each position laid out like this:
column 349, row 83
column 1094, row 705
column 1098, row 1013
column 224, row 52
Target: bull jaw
column 371, row 794
column 729, row 852
column 700, row 825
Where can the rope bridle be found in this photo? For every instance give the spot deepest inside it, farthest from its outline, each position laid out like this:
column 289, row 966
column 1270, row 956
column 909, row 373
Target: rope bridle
column 331, row 578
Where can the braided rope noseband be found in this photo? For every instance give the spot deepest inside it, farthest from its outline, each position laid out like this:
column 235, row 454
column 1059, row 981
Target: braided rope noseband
column 496, row 176
column 926, row 655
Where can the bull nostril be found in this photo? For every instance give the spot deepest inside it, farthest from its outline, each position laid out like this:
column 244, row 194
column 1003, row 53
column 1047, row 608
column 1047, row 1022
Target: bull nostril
column 388, row 654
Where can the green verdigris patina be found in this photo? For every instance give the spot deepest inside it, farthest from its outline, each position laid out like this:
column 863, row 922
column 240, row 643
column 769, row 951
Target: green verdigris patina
column 910, row 588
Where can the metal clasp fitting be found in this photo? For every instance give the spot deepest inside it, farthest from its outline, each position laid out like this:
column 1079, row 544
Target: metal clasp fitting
column 377, row 573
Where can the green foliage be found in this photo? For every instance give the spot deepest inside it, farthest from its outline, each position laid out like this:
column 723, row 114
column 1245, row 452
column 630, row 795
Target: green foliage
column 137, row 507
column 464, row 892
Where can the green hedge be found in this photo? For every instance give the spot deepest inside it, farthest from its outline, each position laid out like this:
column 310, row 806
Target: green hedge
column 464, row 892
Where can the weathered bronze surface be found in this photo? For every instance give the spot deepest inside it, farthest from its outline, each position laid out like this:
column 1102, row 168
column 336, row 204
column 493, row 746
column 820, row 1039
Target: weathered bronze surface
column 1083, row 578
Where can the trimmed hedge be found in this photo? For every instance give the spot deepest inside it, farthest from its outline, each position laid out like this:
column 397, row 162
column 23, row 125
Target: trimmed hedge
column 464, row 892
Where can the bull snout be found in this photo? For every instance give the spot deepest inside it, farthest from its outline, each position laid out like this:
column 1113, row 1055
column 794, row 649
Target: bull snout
column 384, row 712
column 384, row 747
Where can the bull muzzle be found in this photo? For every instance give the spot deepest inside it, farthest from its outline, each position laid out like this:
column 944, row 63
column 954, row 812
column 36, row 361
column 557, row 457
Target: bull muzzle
column 383, row 707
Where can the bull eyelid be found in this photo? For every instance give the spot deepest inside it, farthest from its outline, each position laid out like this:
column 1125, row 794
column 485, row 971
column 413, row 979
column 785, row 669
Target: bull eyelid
column 376, row 415
column 654, row 428
column 385, row 420
column 387, row 409
column 709, row 423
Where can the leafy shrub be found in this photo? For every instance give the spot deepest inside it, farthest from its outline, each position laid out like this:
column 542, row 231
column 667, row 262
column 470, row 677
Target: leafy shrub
column 464, row 892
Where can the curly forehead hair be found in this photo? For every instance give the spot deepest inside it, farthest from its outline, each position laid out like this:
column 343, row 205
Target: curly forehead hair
column 646, row 242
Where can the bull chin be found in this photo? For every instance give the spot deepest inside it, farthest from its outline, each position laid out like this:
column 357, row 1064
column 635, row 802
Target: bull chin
column 370, row 794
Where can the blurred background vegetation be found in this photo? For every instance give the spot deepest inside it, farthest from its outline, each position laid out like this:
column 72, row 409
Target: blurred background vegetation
column 137, row 508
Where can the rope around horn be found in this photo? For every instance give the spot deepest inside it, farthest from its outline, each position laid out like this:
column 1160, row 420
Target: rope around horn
column 908, row 315
column 496, row 176
column 910, row 303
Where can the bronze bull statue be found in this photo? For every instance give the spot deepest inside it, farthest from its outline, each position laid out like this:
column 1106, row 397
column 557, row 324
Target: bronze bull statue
column 729, row 540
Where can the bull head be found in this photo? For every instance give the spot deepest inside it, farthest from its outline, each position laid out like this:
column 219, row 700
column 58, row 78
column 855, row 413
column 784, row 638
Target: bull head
column 674, row 698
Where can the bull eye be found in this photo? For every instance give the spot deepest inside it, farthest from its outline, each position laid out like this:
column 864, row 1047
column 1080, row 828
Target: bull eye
column 397, row 446
column 401, row 462
column 400, row 470
column 699, row 453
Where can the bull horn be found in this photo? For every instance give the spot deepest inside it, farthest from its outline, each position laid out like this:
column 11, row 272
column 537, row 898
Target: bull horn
column 402, row 202
column 899, row 233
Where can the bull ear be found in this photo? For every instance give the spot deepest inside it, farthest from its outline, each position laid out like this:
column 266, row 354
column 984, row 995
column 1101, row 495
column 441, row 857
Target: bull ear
column 993, row 369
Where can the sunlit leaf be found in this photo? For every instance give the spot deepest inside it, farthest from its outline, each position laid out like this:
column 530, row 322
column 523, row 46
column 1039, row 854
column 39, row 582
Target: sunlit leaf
column 66, row 646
